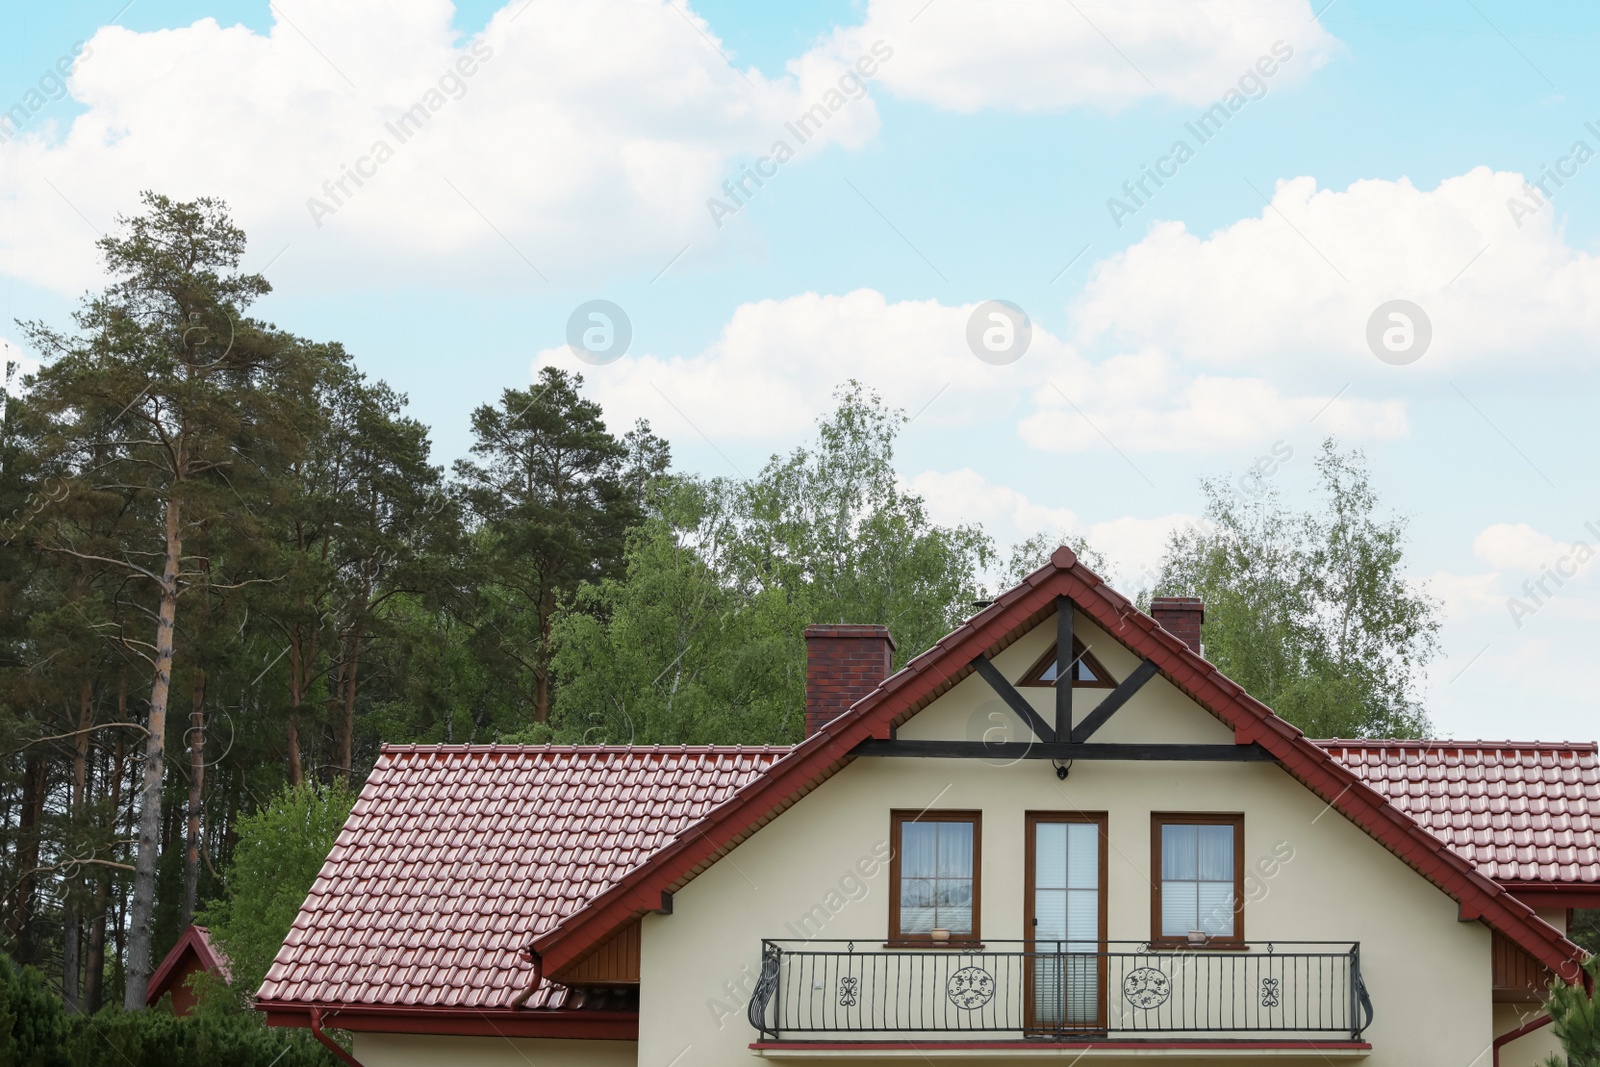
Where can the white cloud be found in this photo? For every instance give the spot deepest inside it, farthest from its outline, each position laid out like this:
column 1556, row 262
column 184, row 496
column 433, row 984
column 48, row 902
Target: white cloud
column 966, row 496
column 1520, row 547
column 1289, row 293
column 1532, row 574
column 1147, row 402
column 1132, row 545
column 967, row 56
column 590, row 133
column 772, row 370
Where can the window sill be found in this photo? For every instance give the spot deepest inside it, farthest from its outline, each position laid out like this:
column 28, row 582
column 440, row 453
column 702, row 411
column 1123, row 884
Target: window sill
column 960, row 946
column 1199, row 946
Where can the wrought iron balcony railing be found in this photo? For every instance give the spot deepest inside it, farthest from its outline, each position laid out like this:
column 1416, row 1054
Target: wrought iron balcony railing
column 1060, row 989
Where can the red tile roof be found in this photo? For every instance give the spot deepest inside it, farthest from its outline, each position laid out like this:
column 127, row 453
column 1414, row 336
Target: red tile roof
column 1517, row 812
column 455, row 856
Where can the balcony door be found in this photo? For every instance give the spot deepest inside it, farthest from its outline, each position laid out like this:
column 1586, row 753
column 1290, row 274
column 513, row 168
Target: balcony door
column 1065, row 913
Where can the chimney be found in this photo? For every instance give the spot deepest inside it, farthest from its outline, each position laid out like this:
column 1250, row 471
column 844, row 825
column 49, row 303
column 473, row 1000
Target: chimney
column 1181, row 617
column 844, row 662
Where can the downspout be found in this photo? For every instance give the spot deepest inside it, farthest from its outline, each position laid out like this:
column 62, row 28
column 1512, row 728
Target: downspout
column 1511, row 1035
column 332, row 1045
column 538, row 976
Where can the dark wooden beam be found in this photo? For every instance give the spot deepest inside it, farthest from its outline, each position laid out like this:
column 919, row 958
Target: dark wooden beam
column 1016, row 700
column 1063, row 751
column 1114, row 700
column 1066, row 667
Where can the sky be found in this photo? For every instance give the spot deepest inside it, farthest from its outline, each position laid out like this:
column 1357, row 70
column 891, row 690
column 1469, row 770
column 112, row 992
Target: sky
column 1096, row 251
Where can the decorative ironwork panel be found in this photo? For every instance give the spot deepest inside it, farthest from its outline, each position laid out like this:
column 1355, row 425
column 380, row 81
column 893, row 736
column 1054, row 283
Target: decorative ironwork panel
column 970, row 988
column 1271, row 992
column 1146, row 987
column 848, row 986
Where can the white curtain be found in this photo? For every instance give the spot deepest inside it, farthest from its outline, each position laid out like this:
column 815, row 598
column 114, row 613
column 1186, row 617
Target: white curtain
column 1197, row 880
column 936, row 877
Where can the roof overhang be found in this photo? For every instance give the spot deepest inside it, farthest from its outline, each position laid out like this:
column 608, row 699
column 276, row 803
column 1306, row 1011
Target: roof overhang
column 469, row 1022
column 1555, row 894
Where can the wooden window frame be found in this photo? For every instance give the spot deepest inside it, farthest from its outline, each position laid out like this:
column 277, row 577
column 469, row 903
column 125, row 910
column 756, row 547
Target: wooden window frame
column 1101, row 821
column 898, row 818
column 1158, row 819
column 1080, row 651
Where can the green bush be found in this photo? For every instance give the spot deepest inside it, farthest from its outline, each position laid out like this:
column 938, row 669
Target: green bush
column 35, row 1031
column 33, row 1028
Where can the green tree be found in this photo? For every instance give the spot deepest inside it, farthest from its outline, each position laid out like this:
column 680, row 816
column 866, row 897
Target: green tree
column 1311, row 612
column 188, row 393
column 831, row 525
column 552, row 495
column 1575, row 1018
column 701, row 639
column 676, row 650
column 279, row 851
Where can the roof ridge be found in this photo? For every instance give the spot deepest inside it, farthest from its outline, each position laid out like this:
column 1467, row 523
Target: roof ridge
column 1449, row 742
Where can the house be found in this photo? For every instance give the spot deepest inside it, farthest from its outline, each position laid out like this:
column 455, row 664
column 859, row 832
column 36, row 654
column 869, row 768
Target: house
column 963, row 862
column 193, row 954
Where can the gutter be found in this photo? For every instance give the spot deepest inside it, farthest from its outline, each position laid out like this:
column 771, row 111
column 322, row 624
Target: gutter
column 333, row 1046
column 1512, row 1035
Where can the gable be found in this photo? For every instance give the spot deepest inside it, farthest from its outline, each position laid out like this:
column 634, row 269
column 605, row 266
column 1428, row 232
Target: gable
column 1159, row 713
column 951, row 662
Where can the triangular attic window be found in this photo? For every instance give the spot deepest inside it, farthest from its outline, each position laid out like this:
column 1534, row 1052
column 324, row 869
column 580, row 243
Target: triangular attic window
column 1087, row 673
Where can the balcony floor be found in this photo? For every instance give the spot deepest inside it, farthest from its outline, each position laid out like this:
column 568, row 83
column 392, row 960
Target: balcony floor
column 1286, row 1052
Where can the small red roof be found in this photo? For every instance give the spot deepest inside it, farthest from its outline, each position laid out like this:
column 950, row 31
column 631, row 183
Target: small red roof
column 194, row 944
column 456, row 856
column 1518, row 812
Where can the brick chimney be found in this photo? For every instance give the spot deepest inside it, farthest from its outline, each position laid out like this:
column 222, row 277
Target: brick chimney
column 844, row 662
column 1180, row 616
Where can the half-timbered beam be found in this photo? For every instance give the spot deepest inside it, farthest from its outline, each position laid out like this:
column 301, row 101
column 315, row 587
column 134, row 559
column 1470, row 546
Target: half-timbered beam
column 1013, row 750
column 1016, row 700
column 1066, row 668
column 1114, row 700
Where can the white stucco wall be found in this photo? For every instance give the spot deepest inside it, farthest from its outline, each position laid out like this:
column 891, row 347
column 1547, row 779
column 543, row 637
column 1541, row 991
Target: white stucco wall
column 417, row 1050
column 1427, row 972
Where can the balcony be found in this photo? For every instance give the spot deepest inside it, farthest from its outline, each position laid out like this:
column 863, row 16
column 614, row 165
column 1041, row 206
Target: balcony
column 1279, row 995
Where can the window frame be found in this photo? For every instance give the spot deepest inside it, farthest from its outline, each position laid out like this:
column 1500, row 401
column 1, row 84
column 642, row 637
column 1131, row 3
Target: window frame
column 1159, row 819
column 898, row 817
column 1080, row 651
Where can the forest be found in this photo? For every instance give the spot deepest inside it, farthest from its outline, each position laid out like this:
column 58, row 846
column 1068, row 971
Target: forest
column 231, row 567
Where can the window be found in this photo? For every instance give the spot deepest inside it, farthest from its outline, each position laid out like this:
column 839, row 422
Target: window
column 933, row 876
column 1199, row 894
column 1087, row 673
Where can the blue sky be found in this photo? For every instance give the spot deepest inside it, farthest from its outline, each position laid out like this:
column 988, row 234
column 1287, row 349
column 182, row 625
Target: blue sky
column 1225, row 316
